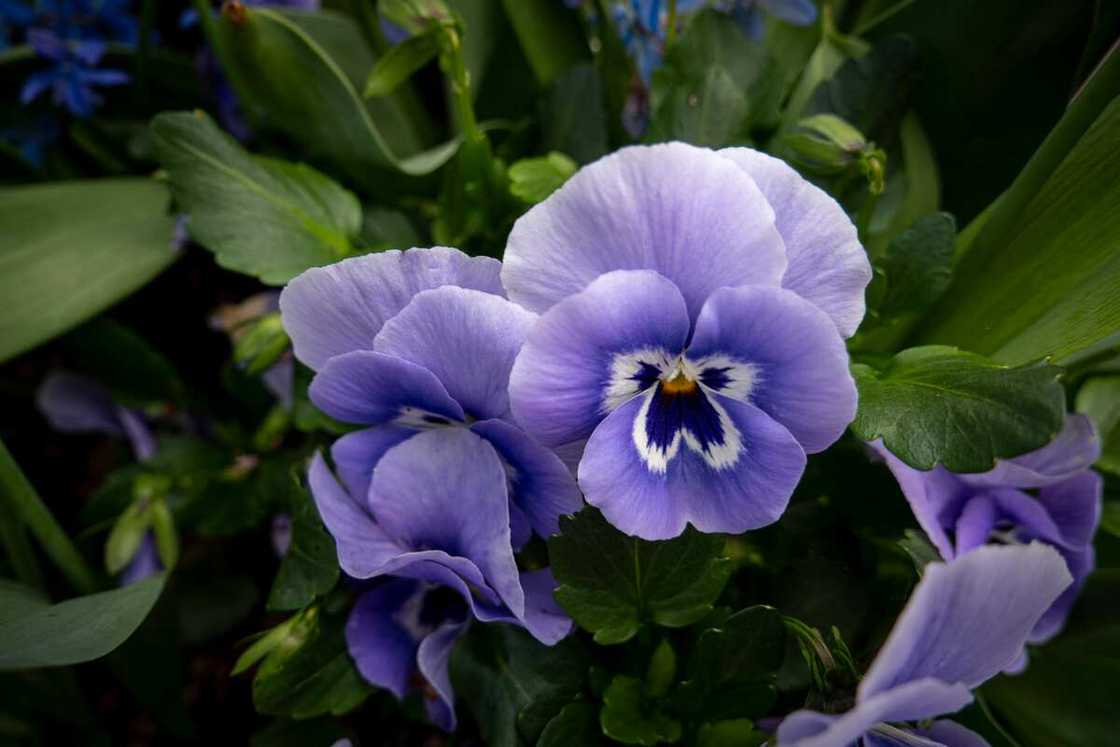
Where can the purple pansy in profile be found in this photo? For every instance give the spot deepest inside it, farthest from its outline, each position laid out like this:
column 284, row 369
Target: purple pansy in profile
column 1050, row 495
column 965, row 622
column 694, row 305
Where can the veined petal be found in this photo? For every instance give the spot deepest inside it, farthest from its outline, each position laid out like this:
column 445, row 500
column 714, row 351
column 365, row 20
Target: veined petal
column 335, row 309
column 682, row 211
column 467, row 338
column 595, row 350
column 356, row 454
column 383, row 650
column 371, row 388
column 1075, row 506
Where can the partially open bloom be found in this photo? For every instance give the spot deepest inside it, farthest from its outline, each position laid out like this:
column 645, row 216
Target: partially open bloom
column 1050, row 495
column 965, row 622
column 694, row 305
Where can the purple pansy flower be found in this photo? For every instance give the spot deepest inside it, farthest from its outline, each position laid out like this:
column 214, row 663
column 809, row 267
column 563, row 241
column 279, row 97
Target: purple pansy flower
column 1050, row 495
column 965, row 622
column 694, row 305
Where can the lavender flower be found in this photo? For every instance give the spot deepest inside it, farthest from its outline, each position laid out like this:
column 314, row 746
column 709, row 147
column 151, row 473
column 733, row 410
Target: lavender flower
column 694, row 307
column 1050, row 495
column 965, row 622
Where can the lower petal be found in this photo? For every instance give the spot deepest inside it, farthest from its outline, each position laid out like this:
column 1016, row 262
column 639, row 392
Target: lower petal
column 383, row 651
column 433, row 658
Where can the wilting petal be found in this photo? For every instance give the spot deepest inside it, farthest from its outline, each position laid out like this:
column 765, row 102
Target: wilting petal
column 335, row 309
column 968, row 619
column 539, row 483
column 685, row 212
column 827, row 264
column 910, row 701
column 383, row 650
column 798, row 364
column 952, row 734
column 363, row 548
column 590, row 352
column 1073, row 450
column 371, row 388
column 445, row 489
column 356, row 454
column 433, row 658
column 1075, row 506
column 759, row 464
column 467, row 338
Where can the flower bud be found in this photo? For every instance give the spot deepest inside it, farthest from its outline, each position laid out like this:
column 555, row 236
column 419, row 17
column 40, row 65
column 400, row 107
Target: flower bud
column 261, row 344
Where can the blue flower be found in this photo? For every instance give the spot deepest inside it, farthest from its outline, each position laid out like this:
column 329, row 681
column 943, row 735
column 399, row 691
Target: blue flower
column 748, row 13
column 73, row 77
column 693, row 308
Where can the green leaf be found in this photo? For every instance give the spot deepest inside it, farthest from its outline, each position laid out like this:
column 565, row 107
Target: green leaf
column 38, row 634
column 1050, row 285
column 120, row 359
column 401, row 61
column 662, row 669
column 576, row 724
column 71, row 249
column 918, row 265
column 259, row 216
column 1099, row 398
column 920, row 550
column 550, row 36
column 125, row 538
column 611, row 583
column 514, row 685
column 940, row 405
column 310, row 567
column 628, row 718
column 709, row 113
column 534, row 179
column 732, row 733
column 574, row 119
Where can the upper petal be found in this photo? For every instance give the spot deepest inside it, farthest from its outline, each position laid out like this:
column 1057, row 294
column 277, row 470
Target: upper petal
column 1073, row 450
column 827, row 264
column 1075, row 506
column 467, row 338
column 968, row 619
column 581, row 357
column 356, row 454
column 799, row 365
column 341, row 307
column 679, row 210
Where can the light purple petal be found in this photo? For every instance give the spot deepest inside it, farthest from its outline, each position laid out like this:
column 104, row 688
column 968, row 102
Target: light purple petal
column 467, row 338
column 363, row 548
column 1075, row 506
column 445, row 489
column 1073, row 450
column 571, row 371
column 1080, row 564
column 798, row 364
column 751, row 490
column 75, row 404
column 827, row 264
column 952, row 734
column 139, row 434
column 356, row 454
column 544, row 618
column 909, row 701
column 433, row 658
column 968, row 619
column 339, row 308
column 682, row 211
column 540, row 485
column 383, row 650
column 982, row 513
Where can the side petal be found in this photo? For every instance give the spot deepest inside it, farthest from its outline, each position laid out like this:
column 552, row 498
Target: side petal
column 383, row 651
column 585, row 355
column 1080, row 564
column 540, row 485
column 544, row 618
column 467, row 338
column 445, row 489
column 1075, row 506
column 827, row 264
column 356, row 454
column 335, row 309
column 679, row 210
column 1073, row 450
column 968, row 619
column 75, row 404
column 433, row 658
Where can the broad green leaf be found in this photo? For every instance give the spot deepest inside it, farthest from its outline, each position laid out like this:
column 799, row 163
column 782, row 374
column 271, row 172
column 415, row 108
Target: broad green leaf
column 662, row 669
column 124, row 362
column 259, row 216
column 310, row 567
column 629, row 718
column 918, row 265
column 611, row 583
column 550, row 36
column 574, row 119
column 1099, row 398
column 576, row 724
column 514, row 685
column 731, row 733
column 534, row 179
column 38, row 634
column 70, row 249
column 940, row 405
column 1052, row 286
column 400, row 62
column 711, row 113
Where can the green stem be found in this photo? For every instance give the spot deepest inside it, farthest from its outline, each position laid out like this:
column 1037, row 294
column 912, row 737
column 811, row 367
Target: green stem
column 863, row 218
column 28, row 506
column 21, row 554
column 371, row 26
column 671, row 32
column 460, row 82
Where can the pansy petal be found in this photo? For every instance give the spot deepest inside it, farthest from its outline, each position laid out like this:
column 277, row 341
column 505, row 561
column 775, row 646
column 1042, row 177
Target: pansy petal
column 467, row 338
column 679, row 210
column 446, row 489
column 363, row 548
column 540, row 485
column 952, row 734
column 827, row 264
column 1026, row 515
column 749, row 489
column 968, row 619
column 1080, row 564
column 383, row 651
column 1075, row 506
column 1073, row 450
column 543, row 616
column 433, row 658
column 371, row 388
column 798, row 364
column 335, row 309
column 910, row 701
column 356, row 454
column 585, row 355
column 75, row 404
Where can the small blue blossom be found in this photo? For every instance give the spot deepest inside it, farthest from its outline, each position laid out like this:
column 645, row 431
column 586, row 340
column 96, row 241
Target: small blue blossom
column 74, row 74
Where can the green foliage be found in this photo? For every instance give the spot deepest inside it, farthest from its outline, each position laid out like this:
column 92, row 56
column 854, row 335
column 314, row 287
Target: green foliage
column 124, row 362
column 310, row 567
column 71, row 249
column 916, row 267
column 577, row 723
column 1099, row 398
column 35, row 633
column 549, row 34
column 731, row 733
column 629, row 718
column 534, row 179
column 573, row 118
column 940, row 405
column 612, row 584
column 400, row 62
